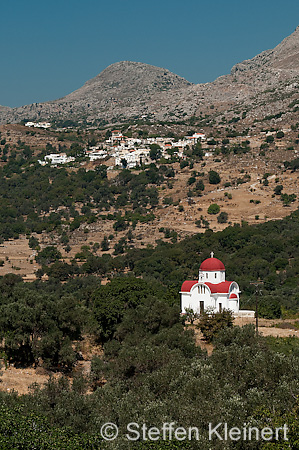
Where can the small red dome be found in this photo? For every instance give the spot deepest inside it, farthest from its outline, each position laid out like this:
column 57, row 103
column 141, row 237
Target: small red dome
column 233, row 296
column 211, row 265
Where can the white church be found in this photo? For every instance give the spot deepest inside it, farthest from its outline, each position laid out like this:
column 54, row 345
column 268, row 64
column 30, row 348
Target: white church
column 211, row 291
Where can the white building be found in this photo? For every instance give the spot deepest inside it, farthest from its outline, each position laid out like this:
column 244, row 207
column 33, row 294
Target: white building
column 196, row 137
column 211, row 291
column 38, row 124
column 133, row 158
column 58, row 158
column 96, row 153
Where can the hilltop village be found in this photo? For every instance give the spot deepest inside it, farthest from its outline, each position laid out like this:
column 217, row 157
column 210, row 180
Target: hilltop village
column 129, row 152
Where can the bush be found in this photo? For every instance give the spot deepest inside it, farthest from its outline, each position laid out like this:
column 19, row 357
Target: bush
column 199, row 187
column 269, row 308
column 280, row 134
column 214, row 177
column 184, row 164
column 287, row 199
column 167, row 201
column 191, row 180
column 222, row 218
column 213, row 208
column 211, row 323
column 191, row 315
column 48, row 255
column 278, row 189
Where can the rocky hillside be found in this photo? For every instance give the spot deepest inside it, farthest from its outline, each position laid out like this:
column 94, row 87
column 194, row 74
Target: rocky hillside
column 262, row 86
column 284, row 57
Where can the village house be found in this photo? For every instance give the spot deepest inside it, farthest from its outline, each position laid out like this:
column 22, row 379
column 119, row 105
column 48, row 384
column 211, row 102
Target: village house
column 132, row 158
column 38, row 124
column 95, row 153
column 56, row 158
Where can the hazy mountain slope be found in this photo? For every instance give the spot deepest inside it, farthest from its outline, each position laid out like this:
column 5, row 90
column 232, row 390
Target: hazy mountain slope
column 127, row 90
column 125, row 80
column 124, row 89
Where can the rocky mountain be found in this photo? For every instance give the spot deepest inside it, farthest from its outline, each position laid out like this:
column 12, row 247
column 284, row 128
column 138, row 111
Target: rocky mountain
column 131, row 90
column 124, row 89
column 284, row 57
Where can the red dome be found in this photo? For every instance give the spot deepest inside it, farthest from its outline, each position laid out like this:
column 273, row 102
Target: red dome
column 233, row 296
column 211, row 265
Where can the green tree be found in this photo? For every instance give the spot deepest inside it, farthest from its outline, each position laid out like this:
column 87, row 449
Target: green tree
column 211, row 323
column 214, row 177
column 111, row 301
column 213, row 208
column 155, row 151
column 34, row 325
column 280, row 134
column 105, row 244
column 222, row 218
column 278, row 189
column 48, row 255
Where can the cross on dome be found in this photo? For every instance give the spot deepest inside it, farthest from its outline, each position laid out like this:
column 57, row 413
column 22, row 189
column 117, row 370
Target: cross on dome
column 212, row 254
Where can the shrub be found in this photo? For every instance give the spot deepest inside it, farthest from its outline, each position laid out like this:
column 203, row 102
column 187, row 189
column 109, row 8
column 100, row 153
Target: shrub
column 278, row 189
column 222, row 218
column 213, row 208
column 191, row 180
column 269, row 307
column 167, row 201
column 184, row 164
column 211, row 323
column 280, row 134
column 199, row 186
column 214, row 177
column 191, row 315
column 288, row 199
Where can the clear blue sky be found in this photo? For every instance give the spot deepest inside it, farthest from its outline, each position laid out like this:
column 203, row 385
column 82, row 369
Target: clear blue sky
column 48, row 49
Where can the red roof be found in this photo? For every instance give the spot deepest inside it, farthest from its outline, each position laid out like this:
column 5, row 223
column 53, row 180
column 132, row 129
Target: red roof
column 187, row 285
column 233, row 296
column 211, row 265
column 219, row 288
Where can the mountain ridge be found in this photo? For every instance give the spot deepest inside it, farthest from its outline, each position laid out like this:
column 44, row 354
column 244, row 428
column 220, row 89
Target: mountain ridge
column 132, row 90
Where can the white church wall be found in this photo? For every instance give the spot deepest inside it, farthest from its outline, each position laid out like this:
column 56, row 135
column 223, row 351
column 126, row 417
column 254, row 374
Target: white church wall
column 199, row 293
column 212, row 277
column 233, row 305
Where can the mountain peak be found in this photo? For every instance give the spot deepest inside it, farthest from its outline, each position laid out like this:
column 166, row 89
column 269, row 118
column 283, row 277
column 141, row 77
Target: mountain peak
column 134, row 75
